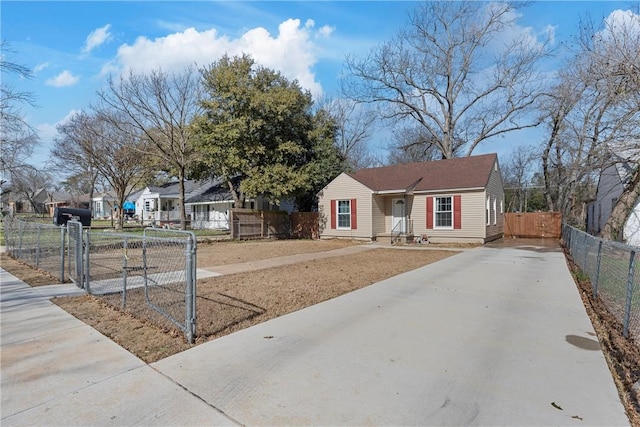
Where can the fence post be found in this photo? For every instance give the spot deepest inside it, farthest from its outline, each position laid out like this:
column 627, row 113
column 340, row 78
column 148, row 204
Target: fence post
column 585, row 245
column 595, row 285
column 190, row 297
column 86, row 244
column 627, row 310
column 38, row 246
column 63, row 232
column 125, row 264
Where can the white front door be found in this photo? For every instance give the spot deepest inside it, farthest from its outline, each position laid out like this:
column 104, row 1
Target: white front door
column 398, row 220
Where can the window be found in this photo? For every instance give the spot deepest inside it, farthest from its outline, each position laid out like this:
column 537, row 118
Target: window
column 444, row 212
column 488, row 214
column 495, row 211
column 344, row 214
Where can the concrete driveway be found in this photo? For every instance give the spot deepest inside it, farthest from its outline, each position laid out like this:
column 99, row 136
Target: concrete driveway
column 491, row 336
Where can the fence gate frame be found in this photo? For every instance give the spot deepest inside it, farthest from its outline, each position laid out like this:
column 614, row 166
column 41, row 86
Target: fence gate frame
column 189, row 326
column 77, row 253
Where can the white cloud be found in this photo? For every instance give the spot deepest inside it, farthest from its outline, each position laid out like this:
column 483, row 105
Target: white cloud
column 47, row 131
column 40, row 67
column 96, row 38
column 621, row 22
column 515, row 33
column 291, row 51
column 63, row 79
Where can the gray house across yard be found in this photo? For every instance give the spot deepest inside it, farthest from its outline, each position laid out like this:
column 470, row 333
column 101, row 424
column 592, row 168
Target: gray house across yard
column 611, row 183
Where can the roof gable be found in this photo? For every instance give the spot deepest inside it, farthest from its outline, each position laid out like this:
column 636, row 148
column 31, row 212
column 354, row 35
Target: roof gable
column 463, row 172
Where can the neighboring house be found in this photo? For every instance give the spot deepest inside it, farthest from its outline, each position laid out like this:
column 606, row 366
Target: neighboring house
column 67, row 200
column 454, row 200
column 155, row 205
column 611, row 184
column 207, row 203
column 211, row 201
column 102, row 205
column 19, row 204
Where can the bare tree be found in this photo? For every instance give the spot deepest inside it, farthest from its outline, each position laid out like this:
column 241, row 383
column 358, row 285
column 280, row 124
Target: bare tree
column 110, row 151
column 69, row 153
column 518, row 172
column 451, row 72
column 159, row 106
column 17, row 138
column 411, row 144
column 593, row 109
column 355, row 125
column 28, row 181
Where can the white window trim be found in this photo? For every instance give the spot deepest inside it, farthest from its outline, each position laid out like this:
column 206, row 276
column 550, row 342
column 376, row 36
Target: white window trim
column 495, row 211
column 338, row 214
column 435, row 211
column 488, row 211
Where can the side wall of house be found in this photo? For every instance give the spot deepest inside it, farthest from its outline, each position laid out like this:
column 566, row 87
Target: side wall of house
column 631, row 231
column 494, row 216
column 343, row 187
column 609, row 189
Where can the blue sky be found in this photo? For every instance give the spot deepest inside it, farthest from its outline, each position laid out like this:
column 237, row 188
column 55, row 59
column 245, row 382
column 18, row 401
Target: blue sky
column 73, row 46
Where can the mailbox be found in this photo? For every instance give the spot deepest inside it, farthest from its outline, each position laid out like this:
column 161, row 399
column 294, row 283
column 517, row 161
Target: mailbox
column 62, row 215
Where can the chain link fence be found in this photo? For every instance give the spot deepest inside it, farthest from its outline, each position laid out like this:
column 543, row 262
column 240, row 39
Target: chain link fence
column 39, row 245
column 152, row 276
column 612, row 270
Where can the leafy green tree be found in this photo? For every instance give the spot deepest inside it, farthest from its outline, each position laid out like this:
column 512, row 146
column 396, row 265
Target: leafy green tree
column 260, row 127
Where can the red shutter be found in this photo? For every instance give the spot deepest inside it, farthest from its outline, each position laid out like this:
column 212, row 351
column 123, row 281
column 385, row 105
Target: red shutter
column 429, row 213
column 333, row 214
column 354, row 215
column 457, row 212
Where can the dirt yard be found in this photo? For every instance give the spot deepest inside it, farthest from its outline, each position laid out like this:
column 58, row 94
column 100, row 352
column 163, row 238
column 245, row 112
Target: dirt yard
column 226, row 304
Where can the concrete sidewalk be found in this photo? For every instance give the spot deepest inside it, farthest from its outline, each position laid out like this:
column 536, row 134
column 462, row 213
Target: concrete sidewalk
column 57, row 370
column 491, row 336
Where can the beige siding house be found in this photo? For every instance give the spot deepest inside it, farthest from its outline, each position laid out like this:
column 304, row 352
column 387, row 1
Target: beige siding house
column 455, row 200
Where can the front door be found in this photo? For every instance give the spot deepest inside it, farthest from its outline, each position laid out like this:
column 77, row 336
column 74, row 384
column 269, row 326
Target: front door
column 398, row 220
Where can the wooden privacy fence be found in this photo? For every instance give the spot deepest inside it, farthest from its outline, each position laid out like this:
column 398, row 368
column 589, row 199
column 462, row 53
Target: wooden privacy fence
column 251, row 224
column 533, row 225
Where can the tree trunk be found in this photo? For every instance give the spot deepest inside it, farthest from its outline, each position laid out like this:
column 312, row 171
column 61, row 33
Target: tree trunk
column 613, row 229
column 547, row 177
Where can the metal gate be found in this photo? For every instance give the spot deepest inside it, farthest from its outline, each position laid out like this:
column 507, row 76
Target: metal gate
column 151, row 276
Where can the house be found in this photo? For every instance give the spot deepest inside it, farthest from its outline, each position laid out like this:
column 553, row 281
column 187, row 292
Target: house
column 63, row 199
column 103, row 205
column 453, row 200
column 611, row 184
column 207, row 203
column 18, row 203
column 211, row 201
column 158, row 204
